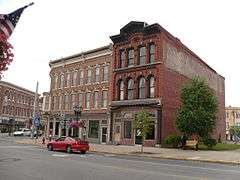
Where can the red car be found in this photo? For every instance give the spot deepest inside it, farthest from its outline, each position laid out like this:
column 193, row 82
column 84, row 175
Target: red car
column 68, row 144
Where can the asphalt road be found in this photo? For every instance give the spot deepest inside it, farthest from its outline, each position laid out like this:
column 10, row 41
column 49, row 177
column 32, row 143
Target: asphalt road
column 26, row 162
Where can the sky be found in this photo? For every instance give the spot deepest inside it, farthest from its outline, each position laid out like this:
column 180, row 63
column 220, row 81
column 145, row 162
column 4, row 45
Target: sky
column 49, row 30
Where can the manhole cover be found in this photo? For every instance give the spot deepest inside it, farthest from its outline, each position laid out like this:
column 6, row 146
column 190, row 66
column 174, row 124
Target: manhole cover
column 9, row 159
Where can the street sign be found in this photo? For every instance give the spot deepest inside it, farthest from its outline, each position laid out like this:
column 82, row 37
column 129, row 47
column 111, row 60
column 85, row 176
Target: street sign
column 36, row 121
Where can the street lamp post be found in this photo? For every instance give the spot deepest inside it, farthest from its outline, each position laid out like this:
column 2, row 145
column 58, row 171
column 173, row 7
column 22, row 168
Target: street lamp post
column 77, row 112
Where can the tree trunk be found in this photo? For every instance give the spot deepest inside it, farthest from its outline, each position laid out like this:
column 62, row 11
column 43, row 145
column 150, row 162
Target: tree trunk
column 142, row 145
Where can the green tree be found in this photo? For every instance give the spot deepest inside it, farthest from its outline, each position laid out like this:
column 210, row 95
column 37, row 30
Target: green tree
column 144, row 124
column 197, row 114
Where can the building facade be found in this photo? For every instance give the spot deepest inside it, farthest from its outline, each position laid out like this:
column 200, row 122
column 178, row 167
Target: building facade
column 81, row 81
column 149, row 67
column 232, row 119
column 16, row 106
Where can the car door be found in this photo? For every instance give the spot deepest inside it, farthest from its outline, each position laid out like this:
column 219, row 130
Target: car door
column 57, row 144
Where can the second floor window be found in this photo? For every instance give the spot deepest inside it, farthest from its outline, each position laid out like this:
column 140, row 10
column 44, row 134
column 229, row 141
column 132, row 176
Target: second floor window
column 130, row 89
column 104, row 99
column 97, row 74
column 80, row 100
column 130, row 57
column 105, row 73
column 89, row 76
column 152, row 87
column 122, row 59
column 151, row 53
column 95, row 99
column 88, row 96
column 121, row 90
column 142, row 55
column 141, row 91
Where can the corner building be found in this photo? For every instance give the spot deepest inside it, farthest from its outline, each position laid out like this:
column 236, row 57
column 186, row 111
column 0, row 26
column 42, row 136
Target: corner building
column 149, row 68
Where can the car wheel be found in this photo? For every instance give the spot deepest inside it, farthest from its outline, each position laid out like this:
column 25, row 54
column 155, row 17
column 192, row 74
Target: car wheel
column 50, row 147
column 69, row 149
column 83, row 152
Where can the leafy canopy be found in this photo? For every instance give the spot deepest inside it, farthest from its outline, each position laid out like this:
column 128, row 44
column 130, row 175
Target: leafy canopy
column 143, row 123
column 197, row 114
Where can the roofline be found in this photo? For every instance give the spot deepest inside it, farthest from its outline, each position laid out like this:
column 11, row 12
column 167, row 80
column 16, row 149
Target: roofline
column 16, row 86
column 109, row 46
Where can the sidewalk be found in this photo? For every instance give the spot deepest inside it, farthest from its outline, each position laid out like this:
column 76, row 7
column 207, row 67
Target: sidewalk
column 226, row 157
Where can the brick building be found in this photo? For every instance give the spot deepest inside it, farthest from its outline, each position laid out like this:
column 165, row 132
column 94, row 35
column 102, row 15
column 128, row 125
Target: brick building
column 16, row 103
column 149, row 67
column 232, row 119
column 81, row 80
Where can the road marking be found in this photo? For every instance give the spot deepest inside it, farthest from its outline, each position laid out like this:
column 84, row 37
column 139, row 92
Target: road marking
column 60, row 155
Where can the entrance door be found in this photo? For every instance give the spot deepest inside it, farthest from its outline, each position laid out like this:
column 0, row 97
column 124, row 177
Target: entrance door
column 138, row 138
column 104, row 134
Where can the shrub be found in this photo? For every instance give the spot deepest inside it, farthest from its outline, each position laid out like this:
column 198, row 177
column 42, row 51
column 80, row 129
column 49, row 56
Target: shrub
column 209, row 142
column 172, row 140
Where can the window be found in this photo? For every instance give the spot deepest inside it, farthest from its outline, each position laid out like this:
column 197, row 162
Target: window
column 81, row 77
column 104, row 99
column 151, row 53
column 142, row 55
column 66, row 102
column 80, row 100
column 56, row 82
column 97, row 74
column 95, row 99
column 89, row 76
column 73, row 98
column 127, row 129
column 152, row 87
column 151, row 134
column 59, row 104
column 105, row 73
column 122, row 59
column 121, row 90
column 68, row 79
column 75, row 78
column 141, row 88
column 88, row 95
column 62, row 81
column 130, row 89
column 93, row 129
column 130, row 57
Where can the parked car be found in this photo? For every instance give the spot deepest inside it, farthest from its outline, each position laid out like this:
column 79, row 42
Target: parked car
column 68, row 144
column 22, row 132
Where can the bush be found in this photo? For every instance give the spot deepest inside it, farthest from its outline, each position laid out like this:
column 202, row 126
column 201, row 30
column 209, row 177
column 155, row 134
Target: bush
column 209, row 142
column 173, row 140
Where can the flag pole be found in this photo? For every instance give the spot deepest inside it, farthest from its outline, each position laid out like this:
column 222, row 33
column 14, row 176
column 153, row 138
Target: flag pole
column 34, row 110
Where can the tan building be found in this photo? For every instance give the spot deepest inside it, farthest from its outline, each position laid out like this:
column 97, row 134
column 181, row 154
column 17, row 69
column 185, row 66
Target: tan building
column 232, row 119
column 81, row 80
column 16, row 105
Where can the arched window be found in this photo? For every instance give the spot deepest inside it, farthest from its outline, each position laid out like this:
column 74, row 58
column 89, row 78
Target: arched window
column 141, row 88
column 121, row 90
column 130, row 89
column 152, row 87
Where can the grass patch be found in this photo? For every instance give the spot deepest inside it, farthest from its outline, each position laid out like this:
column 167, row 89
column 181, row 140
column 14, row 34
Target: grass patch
column 220, row 147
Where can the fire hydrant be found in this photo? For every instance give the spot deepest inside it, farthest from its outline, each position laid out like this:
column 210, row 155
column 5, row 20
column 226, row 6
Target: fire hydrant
column 43, row 140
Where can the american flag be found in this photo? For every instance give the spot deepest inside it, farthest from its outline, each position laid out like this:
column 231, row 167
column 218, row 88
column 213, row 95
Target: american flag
column 9, row 21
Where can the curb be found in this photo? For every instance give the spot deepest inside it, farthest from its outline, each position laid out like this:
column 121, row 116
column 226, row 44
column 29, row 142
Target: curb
column 143, row 155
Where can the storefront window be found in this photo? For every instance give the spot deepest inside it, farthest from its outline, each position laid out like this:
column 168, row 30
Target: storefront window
column 93, row 129
column 127, row 129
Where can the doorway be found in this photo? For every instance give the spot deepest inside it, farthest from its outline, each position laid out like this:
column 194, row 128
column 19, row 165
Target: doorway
column 104, row 134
